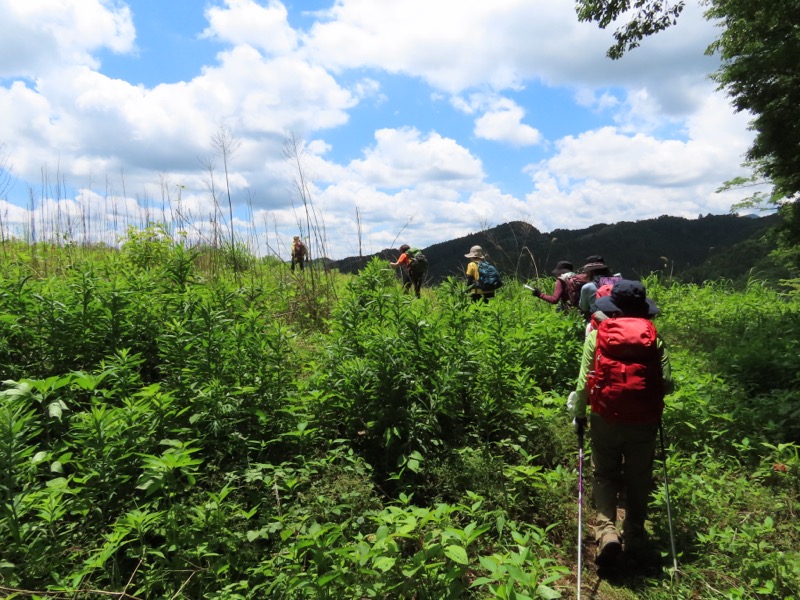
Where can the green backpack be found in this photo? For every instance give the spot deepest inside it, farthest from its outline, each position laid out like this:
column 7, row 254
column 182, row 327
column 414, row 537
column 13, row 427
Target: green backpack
column 418, row 264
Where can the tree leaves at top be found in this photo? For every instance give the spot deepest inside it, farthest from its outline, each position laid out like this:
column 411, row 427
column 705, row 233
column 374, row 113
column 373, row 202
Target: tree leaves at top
column 760, row 51
column 650, row 16
column 759, row 48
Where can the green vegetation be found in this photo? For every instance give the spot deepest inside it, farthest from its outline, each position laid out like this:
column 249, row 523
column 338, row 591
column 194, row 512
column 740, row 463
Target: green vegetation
column 172, row 427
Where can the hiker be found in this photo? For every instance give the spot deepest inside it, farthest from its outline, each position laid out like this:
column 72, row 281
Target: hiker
column 563, row 271
column 482, row 278
column 599, row 274
column 299, row 253
column 413, row 266
column 624, row 375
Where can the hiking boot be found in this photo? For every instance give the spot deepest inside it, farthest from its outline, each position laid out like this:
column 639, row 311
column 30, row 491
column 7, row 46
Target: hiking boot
column 635, row 544
column 608, row 549
column 638, row 552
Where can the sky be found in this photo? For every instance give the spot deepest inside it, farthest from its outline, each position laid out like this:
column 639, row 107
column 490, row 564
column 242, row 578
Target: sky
column 400, row 121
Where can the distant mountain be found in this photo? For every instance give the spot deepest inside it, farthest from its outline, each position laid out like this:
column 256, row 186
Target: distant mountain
column 683, row 248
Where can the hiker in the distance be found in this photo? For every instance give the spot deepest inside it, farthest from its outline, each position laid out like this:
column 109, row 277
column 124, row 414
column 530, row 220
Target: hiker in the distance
column 624, row 375
column 413, row 266
column 299, row 253
column 476, row 256
column 563, row 271
column 599, row 275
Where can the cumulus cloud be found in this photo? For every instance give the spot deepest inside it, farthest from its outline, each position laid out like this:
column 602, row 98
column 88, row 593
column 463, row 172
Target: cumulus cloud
column 646, row 135
column 607, row 175
column 402, row 157
column 245, row 22
column 503, row 123
column 41, row 36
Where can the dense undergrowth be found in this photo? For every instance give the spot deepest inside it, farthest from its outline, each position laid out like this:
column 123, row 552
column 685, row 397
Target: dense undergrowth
column 172, row 431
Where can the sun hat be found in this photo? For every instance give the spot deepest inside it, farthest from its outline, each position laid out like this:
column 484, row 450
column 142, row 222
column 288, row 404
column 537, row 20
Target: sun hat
column 563, row 266
column 297, row 237
column 475, row 252
column 595, row 258
column 629, row 298
column 594, row 267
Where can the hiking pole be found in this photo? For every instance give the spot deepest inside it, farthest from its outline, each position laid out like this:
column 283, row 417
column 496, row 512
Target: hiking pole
column 579, row 423
column 666, row 498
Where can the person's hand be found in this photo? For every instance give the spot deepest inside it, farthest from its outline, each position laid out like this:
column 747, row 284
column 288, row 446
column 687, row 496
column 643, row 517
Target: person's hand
column 537, row 292
column 572, row 400
column 579, row 423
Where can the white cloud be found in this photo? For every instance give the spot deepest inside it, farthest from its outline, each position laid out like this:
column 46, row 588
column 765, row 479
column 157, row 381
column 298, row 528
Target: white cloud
column 649, row 135
column 401, row 158
column 503, row 123
column 606, row 175
column 42, row 35
column 245, row 22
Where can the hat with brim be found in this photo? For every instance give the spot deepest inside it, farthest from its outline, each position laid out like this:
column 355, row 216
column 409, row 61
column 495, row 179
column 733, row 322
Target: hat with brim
column 563, row 266
column 594, row 267
column 628, row 298
column 475, row 252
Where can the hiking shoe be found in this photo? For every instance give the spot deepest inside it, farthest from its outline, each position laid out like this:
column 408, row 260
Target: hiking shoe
column 608, row 549
column 635, row 544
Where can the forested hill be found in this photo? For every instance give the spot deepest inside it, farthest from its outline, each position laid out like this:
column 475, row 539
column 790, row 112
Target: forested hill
column 709, row 247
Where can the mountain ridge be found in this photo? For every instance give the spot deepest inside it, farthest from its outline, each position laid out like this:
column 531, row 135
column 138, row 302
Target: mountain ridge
column 686, row 249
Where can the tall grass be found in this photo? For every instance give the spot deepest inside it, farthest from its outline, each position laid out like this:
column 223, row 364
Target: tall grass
column 175, row 427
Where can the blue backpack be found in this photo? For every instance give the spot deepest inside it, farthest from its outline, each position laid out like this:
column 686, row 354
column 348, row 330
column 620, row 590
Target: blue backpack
column 489, row 277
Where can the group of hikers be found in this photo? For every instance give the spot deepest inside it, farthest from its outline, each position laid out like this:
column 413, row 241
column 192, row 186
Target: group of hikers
column 619, row 393
column 483, row 278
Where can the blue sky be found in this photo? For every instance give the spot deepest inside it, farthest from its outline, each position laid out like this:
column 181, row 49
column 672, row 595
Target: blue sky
column 434, row 119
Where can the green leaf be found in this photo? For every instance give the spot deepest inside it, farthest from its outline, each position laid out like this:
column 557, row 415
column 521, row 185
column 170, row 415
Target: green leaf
column 384, row 563
column 56, row 409
column 326, row 579
column 456, row 554
column 253, row 535
column 547, row 592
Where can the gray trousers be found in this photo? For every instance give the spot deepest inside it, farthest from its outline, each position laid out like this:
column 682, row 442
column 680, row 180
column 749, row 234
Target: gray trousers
column 622, row 462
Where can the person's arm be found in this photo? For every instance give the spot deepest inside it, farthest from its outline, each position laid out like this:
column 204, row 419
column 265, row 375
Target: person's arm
column 404, row 259
column 581, row 391
column 472, row 275
column 557, row 292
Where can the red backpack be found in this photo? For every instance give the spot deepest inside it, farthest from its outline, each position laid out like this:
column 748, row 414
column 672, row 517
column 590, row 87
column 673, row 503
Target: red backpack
column 603, row 290
column 626, row 383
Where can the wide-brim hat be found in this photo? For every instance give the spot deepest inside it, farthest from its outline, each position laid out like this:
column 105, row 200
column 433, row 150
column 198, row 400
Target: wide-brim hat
column 563, row 266
column 475, row 252
column 629, row 298
column 594, row 267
